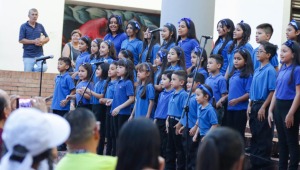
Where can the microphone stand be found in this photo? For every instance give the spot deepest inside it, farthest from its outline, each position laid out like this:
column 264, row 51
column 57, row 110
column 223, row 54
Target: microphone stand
column 41, row 76
column 186, row 106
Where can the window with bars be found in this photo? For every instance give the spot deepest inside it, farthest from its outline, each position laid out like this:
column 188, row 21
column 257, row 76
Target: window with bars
column 295, row 10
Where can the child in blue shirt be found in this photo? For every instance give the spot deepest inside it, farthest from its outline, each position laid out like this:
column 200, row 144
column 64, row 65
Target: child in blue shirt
column 160, row 62
column 95, row 56
column 261, row 92
column 64, row 86
column 176, row 59
column 145, row 94
column 150, row 45
column 203, row 63
column 169, row 36
column 285, row 105
column 175, row 149
column 107, row 52
column 292, row 31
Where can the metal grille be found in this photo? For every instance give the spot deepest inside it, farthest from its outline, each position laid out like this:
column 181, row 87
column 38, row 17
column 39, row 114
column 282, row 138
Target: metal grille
column 295, row 10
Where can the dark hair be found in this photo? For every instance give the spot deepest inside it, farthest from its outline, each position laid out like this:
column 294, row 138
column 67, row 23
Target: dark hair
column 147, row 67
column 98, row 41
column 129, row 68
column 269, row 48
column 3, row 105
column 163, row 55
column 120, row 24
column 88, row 68
column 199, row 78
column 247, row 70
column 108, row 80
column 203, row 63
column 111, row 48
column 168, row 73
column 245, row 36
column 205, row 92
column 296, row 28
column 268, row 29
column 172, row 37
column 220, row 149
column 229, row 36
column 66, row 60
column 295, row 47
column 181, row 56
column 218, row 58
column 182, row 76
column 136, row 26
column 127, row 54
column 104, row 67
column 87, row 41
column 191, row 29
column 76, row 31
column 155, row 40
column 138, row 145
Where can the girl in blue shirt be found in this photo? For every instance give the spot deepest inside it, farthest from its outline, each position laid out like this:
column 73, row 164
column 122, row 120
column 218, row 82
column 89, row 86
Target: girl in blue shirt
column 203, row 63
column 107, row 51
column 285, row 105
column 134, row 41
column 160, row 63
column 292, row 31
column 145, row 93
column 240, row 80
column 176, row 59
column 169, row 36
column 187, row 38
column 150, row 45
column 225, row 30
column 95, row 56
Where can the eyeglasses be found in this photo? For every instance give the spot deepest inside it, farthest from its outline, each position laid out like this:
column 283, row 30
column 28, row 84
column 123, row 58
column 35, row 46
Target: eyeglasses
column 260, row 51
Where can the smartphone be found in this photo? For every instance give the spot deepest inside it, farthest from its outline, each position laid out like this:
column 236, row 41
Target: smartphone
column 23, row 103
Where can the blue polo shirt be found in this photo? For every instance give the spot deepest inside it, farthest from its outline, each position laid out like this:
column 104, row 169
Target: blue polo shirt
column 206, row 118
column 284, row 89
column 247, row 47
column 224, row 54
column 117, row 40
column 256, row 63
column 82, row 58
column 188, row 45
column 202, row 71
column 192, row 117
column 164, row 46
column 78, row 96
column 174, row 68
column 218, row 85
column 108, row 59
column 135, row 46
column 238, row 87
column 123, row 89
column 263, row 82
column 94, row 67
column 64, row 84
column 156, row 75
column 176, row 103
column 98, row 88
column 109, row 94
column 162, row 104
column 30, row 33
column 141, row 105
column 152, row 56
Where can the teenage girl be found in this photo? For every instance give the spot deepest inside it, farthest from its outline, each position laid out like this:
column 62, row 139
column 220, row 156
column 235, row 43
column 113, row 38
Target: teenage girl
column 160, row 63
column 107, row 52
column 240, row 80
column 285, row 105
column 176, row 59
column 169, row 36
column 145, row 92
column 225, row 30
column 150, row 45
column 187, row 38
column 203, row 63
column 241, row 36
column 95, row 57
column 293, row 31
column 134, row 41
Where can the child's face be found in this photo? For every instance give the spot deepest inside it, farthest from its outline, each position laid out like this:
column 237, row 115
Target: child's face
column 142, row 74
column 189, row 83
column 182, row 29
column 212, row 65
column 121, row 71
column 112, row 72
column 200, row 98
column 157, row 61
column 103, row 49
column 261, row 35
column 176, row 82
column 147, row 34
column 193, row 59
column 120, row 56
column 238, row 61
column 99, row 71
column 261, row 54
column 94, row 47
column 165, row 33
column 113, row 25
column 82, row 73
column 222, row 31
column 82, row 46
column 62, row 66
column 238, row 32
column 291, row 33
column 165, row 81
column 129, row 31
column 172, row 56
column 286, row 55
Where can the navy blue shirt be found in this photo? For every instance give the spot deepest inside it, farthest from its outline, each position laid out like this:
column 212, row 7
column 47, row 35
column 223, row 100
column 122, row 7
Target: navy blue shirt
column 162, row 104
column 78, row 96
column 135, row 46
column 263, row 83
column 117, row 40
column 98, row 88
column 152, row 56
column 206, row 118
column 64, row 84
column 224, row 54
column 256, row 63
column 230, row 56
column 188, row 45
column 30, row 33
column 238, row 87
column 192, row 117
column 218, row 85
column 284, row 89
column 123, row 90
column 141, row 105
column 176, row 103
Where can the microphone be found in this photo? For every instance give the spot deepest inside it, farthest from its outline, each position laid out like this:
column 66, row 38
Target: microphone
column 207, row 36
column 97, row 63
column 155, row 30
column 43, row 58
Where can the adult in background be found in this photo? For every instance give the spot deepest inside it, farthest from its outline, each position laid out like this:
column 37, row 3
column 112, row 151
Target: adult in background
column 33, row 36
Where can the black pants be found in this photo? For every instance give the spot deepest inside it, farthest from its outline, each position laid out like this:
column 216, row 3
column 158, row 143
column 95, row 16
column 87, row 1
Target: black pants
column 60, row 112
column 175, row 149
column 237, row 120
column 111, row 138
column 118, row 122
column 100, row 113
column 261, row 141
column 287, row 137
column 161, row 124
column 190, row 147
column 87, row 106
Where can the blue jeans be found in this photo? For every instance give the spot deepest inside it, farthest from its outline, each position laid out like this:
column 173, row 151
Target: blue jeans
column 30, row 65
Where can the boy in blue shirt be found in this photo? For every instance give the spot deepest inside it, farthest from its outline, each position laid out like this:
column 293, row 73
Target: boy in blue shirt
column 261, row 92
column 64, row 85
column 175, row 149
column 218, row 84
column 263, row 33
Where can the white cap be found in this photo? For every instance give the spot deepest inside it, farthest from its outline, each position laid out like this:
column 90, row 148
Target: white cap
column 34, row 130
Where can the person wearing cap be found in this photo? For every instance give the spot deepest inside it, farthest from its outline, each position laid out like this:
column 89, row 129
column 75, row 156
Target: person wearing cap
column 29, row 136
column 82, row 144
